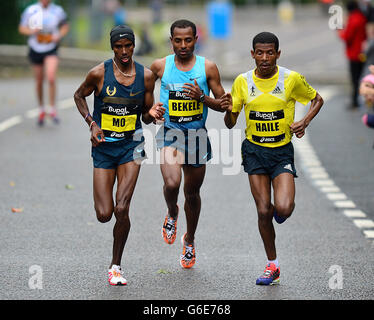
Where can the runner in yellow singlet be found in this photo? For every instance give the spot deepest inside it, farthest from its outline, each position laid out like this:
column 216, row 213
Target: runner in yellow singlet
column 268, row 94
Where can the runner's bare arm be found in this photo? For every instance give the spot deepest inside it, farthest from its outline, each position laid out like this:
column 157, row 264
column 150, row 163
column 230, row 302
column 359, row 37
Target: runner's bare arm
column 298, row 127
column 158, row 67
column 92, row 83
column 151, row 111
column 230, row 117
column 214, row 84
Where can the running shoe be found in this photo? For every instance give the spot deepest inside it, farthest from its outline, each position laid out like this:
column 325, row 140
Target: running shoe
column 270, row 276
column 115, row 276
column 41, row 118
column 277, row 218
column 169, row 228
column 53, row 115
column 188, row 257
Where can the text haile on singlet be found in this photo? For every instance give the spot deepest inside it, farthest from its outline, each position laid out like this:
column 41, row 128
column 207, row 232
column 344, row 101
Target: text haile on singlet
column 267, row 122
column 184, row 109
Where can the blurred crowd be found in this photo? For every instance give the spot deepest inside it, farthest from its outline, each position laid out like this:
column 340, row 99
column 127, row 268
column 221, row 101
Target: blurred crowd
column 358, row 36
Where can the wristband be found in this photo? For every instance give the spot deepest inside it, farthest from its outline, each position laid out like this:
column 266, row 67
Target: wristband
column 92, row 122
column 87, row 115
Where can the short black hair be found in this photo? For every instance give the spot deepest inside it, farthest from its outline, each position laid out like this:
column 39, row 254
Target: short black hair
column 266, row 37
column 183, row 24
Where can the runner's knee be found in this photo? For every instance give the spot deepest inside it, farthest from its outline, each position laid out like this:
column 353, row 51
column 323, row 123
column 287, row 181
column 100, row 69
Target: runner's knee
column 264, row 213
column 285, row 210
column 171, row 185
column 103, row 216
column 121, row 210
column 191, row 196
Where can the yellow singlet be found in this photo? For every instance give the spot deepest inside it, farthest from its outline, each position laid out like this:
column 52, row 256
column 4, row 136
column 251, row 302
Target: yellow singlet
column 269, row 104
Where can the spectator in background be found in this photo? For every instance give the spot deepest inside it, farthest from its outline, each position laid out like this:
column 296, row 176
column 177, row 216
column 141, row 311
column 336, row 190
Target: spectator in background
column 45, row 24
column 354, row 36
column 367, row 91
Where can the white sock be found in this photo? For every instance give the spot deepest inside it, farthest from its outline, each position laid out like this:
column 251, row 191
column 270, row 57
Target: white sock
column 275, row 262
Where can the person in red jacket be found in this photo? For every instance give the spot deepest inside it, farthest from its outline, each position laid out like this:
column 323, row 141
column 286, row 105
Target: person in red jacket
column 354, row 35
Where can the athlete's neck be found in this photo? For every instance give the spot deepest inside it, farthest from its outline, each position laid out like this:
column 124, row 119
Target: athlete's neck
column 268, row 75
column 124, row 67
column 185, row 64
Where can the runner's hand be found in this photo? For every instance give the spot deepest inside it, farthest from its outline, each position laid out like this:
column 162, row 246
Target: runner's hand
column 192, row 91
column 226, row 102
column 97, row 135
column 157, row 112
column 298, row 128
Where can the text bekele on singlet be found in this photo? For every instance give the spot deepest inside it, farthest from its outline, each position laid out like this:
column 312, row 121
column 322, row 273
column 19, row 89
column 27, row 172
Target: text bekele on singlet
column 182, row 112
column 118, row 108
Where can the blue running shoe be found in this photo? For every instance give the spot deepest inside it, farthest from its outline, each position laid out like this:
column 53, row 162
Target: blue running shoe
column 270, row 276
column 277, row 218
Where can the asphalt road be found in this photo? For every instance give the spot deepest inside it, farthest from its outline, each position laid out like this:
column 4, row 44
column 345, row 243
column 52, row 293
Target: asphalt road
column 57, row 240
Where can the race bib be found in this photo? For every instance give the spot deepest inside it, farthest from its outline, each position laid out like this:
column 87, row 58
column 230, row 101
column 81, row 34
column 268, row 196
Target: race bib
column 116, row 122
column 184, row 109
column 267, row 127
column 44, row 37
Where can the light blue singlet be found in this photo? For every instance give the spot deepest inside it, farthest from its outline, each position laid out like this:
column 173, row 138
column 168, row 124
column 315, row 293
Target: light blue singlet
column 182, row 112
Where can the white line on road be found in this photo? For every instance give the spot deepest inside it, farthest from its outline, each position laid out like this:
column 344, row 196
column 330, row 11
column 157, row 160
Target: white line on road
column 33, row 113
column 6, row 124
column 354, row 213
column 321, row 179
column 364, row 223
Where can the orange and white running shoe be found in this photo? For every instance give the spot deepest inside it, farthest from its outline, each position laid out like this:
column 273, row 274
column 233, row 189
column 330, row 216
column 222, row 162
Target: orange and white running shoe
column 270, row 276
column 53, row 115
column 188, row 257
column 169, row 228
column 115, row 276
column 41, row 117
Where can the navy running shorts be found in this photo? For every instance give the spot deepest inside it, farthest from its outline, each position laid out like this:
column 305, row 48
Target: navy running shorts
column 194, row 143
column 109, row 155
column 269, row 161
column 38, row 58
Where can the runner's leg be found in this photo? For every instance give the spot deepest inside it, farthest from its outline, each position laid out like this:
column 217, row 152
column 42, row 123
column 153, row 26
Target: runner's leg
column 193, row 179
column 39, row 77
column 127, row 176
column 171, row 170
column 284, row 194
column 261, row 191
column 51, row 66
column 103, row 182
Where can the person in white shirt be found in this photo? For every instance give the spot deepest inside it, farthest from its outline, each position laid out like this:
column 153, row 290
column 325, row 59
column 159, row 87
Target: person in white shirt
column 45, row 24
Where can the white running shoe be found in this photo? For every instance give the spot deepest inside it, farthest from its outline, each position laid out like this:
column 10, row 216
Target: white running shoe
column 115, row 276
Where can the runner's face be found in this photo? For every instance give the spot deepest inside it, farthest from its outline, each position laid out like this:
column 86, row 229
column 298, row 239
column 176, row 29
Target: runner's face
column 45, row 3
column 265, row 57
column 123, row 50
column 183, row 42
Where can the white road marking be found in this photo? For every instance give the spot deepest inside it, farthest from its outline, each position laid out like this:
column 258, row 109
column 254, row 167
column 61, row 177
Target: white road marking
column 6, row 124
column 354, row 213
column 321, row 179
column 364, row 223
column 336, row 196
column 33, row 113
column 369, row 234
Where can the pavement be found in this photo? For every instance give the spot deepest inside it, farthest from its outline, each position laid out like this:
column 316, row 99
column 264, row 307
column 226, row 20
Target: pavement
column 47, row 172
